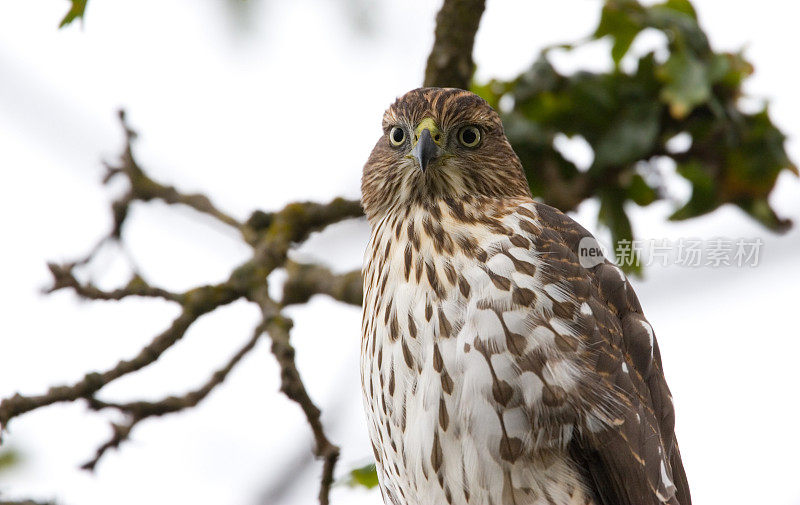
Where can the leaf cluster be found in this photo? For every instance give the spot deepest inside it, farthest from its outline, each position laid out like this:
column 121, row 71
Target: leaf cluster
column 629, row 117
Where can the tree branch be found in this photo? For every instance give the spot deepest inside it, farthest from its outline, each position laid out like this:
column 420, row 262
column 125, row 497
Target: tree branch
column 306, row 280
column 64, row 277
column 138, row 411
column 271, row 235
column 25, row 502
column 292, row 386
column 450, row 63
column 94, row 381
column 278, row 327
column 143, row 188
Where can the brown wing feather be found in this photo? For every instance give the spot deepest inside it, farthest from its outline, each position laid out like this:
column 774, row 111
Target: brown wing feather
column 634, row 460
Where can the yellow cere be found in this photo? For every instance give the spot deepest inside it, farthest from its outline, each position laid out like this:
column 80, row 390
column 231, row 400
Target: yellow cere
column 431, row 126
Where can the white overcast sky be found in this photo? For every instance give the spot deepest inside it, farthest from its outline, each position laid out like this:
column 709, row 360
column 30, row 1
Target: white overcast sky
column 290, row 110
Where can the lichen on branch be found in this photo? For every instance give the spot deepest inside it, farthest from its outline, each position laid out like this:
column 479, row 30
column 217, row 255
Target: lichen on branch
column 271, row 236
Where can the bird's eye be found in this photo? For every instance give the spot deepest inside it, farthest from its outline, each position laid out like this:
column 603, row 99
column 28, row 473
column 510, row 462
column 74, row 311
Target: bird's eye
column 397, row 136
column 469, row 136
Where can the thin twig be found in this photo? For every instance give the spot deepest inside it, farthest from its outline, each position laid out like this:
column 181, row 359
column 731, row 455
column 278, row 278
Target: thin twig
column 64, row 277
column 292, row 386
column 94, row 381
column 143, row 188
column 278, row 327
column 141, row 410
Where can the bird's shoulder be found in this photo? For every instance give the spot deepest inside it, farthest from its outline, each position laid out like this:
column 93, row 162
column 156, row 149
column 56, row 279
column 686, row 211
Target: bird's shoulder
column 629, row 450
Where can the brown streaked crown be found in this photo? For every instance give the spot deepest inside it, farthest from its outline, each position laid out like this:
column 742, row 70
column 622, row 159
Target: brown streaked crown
column 392, row 178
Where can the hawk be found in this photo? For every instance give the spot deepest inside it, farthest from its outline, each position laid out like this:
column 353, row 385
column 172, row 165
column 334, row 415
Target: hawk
column 496, row 369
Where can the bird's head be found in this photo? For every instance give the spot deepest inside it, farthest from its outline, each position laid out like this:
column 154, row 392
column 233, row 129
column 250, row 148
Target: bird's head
column 439, row 143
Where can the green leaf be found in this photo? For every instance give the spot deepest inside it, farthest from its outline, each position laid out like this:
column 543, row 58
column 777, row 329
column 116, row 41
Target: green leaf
column 640, row 192
column 366, row 476
column 704, row 194
column 687, row 83
column 76, row 11
column 678, row 21
column 757, row 157
column 752, row 168
column 630, row 135
column 718, row 68
column 540, row 78
column 612, row 215
column 626, row 118
column 761, row 211
column 491, row 91
column 622, row 21
column 682, row 6
column 736, row 70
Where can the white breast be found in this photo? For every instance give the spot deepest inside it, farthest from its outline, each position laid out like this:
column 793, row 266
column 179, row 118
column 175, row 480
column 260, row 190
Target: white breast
column 453, row 417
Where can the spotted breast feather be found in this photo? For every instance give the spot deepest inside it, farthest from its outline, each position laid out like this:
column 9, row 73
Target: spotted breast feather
column 499, row 370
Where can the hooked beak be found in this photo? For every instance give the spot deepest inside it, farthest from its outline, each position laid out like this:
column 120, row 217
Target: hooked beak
column 426, row 149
